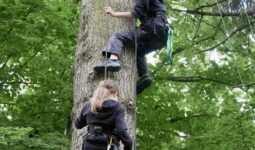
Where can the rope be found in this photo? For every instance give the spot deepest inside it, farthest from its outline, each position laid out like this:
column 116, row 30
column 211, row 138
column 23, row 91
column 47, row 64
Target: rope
column 169, row 45
column 106, row 39
column 226, row 33
column 239, row 74
column 136, row 45
column 246, row 12
column 252, row 34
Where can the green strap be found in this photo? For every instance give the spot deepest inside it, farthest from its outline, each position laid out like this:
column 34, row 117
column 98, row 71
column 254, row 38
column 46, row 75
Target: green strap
column 169, row 46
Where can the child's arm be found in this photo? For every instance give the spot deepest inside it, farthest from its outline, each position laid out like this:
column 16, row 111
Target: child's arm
column 81, row 120
column 127, row 15
column 121, row 129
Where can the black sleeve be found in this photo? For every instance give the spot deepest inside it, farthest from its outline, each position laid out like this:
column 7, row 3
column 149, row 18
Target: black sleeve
column 121, row 130
column 81, row 120
column 140, row 8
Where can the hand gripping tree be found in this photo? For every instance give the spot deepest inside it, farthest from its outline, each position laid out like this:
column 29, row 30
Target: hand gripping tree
column 95, row 29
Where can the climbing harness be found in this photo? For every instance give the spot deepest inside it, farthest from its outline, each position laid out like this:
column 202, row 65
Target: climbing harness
column 110, row 143
column 112, row 146
column 102, row 135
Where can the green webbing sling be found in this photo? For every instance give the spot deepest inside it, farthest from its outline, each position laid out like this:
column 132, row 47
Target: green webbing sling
column 169, row 46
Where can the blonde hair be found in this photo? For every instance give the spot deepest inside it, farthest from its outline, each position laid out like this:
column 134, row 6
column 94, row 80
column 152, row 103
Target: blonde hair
column 107, row 89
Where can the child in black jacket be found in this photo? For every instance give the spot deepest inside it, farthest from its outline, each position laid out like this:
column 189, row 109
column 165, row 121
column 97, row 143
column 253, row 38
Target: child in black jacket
column 150, row 36
column 105, row 118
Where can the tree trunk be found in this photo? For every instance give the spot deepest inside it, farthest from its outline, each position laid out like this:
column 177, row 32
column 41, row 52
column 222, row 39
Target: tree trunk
column 95, row 29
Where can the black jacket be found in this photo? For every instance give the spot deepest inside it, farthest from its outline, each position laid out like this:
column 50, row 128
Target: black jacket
column 110, row 116
column 151, row 13
column 147, row 8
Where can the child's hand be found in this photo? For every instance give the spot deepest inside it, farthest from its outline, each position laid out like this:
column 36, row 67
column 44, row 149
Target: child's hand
column 109, row 10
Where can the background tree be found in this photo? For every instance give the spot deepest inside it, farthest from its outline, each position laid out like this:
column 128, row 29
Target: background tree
column 37, row 42
column 95, row 28
column 205, row 100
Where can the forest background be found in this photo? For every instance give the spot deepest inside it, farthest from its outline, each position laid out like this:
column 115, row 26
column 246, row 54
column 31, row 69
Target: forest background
column 205, row 100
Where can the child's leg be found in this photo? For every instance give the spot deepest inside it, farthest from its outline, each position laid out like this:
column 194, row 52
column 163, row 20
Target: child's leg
column 142, row 50
column 113, row 50
column 115, row 46
column 117, row 42
column 145, row 80
column 142, row 67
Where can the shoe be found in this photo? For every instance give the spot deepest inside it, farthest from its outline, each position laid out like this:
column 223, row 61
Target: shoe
column 143, row 83
column 109, row 65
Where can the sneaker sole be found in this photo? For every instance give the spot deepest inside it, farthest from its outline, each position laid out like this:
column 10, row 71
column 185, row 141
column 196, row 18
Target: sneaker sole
column 110, row 68
column 143, row 85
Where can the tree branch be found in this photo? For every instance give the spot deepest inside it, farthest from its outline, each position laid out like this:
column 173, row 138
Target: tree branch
column 4, row 64
column 193, row 79
column 45, row 113
column 50, row 42
column 216, row 14
column 209, row 37
column 62, row 73
column 177, row 118
column 172, row 132
column 7, row 103
column 200, row 79
column 245, row 85
column 210, row 5
column 227, row 38
column 17, row 82
column 173, row 120
column 197, row 30
column 8, row 33
column 212, row 36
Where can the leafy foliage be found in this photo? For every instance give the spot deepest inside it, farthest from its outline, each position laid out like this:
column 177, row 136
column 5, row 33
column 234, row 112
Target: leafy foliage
column 24, row 138
column 38, row 39
column 198, row 102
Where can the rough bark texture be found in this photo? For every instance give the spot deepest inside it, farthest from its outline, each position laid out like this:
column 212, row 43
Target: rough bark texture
column 92, row 38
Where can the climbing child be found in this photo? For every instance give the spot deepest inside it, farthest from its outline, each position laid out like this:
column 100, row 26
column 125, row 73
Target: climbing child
column 105, row 118
column 150, row 36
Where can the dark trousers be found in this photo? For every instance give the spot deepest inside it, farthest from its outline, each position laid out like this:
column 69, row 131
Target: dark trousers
column 146, row 43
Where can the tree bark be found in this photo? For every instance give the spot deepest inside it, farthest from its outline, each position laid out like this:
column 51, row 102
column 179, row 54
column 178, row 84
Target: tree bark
column 95, row 29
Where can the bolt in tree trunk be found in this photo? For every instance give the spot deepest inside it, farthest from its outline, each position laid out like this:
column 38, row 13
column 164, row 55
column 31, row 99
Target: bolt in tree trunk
column 95, row 29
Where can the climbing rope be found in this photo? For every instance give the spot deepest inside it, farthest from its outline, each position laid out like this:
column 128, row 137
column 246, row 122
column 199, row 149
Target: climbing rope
column 234, row 57
column 106, row 39
column 169, row 45
column 252, row 34
column 226, row 33
column 248, row 19
column 136, row 45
